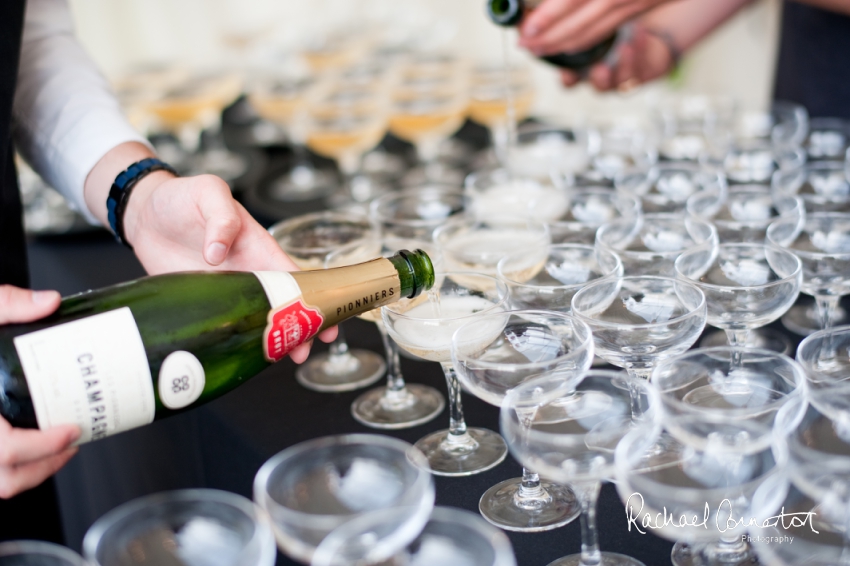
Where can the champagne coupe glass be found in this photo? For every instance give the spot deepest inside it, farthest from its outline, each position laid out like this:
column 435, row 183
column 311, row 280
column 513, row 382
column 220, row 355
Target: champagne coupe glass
column 544, row 151
column 282, row 100
column 814, row 543
column 307, row 240
column 624, row 146
column 666, row 187
column 689, row 123
column 403, row 217
column 500, row 98
column 36, row 553
column 195, row 105
column 314, row 487
column 591, row 206
column 344, row 122
column 530, row 344
column 499, row 193
column 823, row 245
column 728, row 403
column 744, row 212
column 828, row 139
column 699, row 498
column 825, row 355
column 730, row 398
column 819, row 467
column 785, row 124
column 568, row 268
column 474, row 245
column 429, row 106
column 824, row 187
column 637, row 322
column 649, row 244
column 746, row 286
column 191, row 526
column 568, row 431
column 414, row 213
column 752, row 161
column 426, row 330
column 397, row 405
column 451, row 536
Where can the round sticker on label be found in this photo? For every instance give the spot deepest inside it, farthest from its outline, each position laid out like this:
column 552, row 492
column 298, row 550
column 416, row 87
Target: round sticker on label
column 181, row 380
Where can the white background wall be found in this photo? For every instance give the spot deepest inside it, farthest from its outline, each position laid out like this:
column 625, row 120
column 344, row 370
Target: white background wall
column 737, row 59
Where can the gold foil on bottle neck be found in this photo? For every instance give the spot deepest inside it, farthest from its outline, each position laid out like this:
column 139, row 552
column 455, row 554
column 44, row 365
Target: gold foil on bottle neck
column 344, row 292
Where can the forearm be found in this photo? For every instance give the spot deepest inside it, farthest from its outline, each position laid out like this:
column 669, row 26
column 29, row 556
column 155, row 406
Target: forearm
column 840, row 6
column 689, row 21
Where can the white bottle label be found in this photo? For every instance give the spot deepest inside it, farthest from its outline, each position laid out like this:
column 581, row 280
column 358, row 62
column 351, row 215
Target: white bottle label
column 181, row 380
column 91, row 372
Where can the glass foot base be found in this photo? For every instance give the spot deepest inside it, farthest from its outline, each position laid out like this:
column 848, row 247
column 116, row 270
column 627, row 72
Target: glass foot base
column 764, row 338
column 474, row 452
column 414, row 405
column 357, row 369
column 687, row 555
column 803, row 319
column 557, row 507
column 608, row 559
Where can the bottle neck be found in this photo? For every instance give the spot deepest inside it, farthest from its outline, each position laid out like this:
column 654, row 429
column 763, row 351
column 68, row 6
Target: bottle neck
column 344, row 292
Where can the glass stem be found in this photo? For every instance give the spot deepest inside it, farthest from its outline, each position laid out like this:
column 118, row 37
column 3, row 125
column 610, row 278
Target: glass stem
column 338, row 348
column 737, row 338
column 587, row 494
column 457, row 426
column 395, row 380
column 639, row 372
column 826, row 305
column 530, row 486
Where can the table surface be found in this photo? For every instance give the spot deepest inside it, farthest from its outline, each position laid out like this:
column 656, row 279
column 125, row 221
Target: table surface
column 222, row 444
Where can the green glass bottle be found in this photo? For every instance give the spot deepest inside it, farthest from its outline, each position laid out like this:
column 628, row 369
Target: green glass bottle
column 116, row 358
column 511, row 13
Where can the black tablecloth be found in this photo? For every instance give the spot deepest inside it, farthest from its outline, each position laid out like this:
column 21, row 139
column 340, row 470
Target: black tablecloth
column 222, row 444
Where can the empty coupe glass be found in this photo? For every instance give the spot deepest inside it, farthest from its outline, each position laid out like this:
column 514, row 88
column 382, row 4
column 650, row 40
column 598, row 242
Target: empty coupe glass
column 568, row 268
column 639, row 321
column 730, row 398
column 314, row 487
column 568, row 432
column 666, row 187
column 745, row 211
column 451, row 536
column 591, row 206
column 825, row 355
column 701, row 499
column 197, row 527
column 823, row 245
column 649, row 244
column 307, row 240
column 531, row 343
column 746, row 286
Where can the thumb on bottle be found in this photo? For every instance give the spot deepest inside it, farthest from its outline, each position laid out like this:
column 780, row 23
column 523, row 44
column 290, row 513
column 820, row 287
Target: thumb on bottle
column 23, row 305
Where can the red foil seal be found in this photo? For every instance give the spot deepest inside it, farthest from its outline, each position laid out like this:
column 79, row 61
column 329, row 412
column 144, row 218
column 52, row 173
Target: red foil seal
column 288, row 327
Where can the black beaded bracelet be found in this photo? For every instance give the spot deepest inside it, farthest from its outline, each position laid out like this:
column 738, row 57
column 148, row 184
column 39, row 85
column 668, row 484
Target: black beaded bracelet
column 119, row 193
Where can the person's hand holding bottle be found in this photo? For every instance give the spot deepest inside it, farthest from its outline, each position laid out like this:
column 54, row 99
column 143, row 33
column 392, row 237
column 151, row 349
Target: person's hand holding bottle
column 27, row 456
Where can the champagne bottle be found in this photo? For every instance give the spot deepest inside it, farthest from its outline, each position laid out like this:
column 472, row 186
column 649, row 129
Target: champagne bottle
column 510, row 13
column 117, row 358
